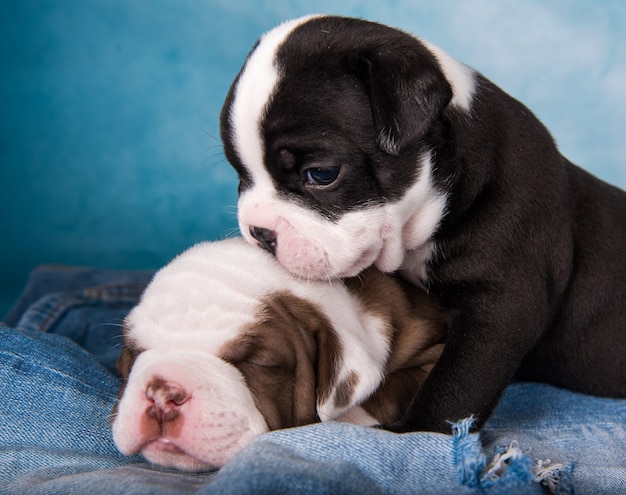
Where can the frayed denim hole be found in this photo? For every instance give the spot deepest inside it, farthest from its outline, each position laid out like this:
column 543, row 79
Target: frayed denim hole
column 469, row 459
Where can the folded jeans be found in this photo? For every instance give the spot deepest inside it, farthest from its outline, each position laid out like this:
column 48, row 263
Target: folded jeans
column 57, row 396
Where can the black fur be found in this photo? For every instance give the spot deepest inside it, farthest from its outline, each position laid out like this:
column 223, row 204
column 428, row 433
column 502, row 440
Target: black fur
column 531, row 255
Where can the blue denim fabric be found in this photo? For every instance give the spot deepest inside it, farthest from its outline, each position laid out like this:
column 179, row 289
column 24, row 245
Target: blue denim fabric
column 54, row 424
column 55, row 438
column 85, row 304
column 539, row 438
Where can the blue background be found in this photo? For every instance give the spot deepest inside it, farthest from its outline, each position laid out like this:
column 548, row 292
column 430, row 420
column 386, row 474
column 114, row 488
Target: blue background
column 109, row 143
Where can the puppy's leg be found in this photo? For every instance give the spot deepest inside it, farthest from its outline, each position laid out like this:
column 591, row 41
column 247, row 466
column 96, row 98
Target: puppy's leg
column 480, row 358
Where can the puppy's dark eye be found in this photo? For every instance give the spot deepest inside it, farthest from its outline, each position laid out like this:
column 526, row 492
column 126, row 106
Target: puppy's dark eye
column 322, row 176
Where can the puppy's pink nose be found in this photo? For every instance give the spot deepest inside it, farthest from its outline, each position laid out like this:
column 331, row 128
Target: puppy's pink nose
column 166, row 399
column 265, row 237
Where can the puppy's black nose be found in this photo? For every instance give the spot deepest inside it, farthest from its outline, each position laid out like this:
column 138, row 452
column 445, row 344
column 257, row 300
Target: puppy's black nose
column 265, row 237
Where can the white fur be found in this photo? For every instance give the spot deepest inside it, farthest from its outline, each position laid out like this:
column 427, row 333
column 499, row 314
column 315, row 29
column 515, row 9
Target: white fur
column 204, row 290
column 194, row 306
column 461, row 77
column 358, row 416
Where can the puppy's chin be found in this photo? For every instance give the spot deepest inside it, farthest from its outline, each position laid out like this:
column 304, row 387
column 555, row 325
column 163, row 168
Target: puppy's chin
column 168, row 455
column 307, row 259
column 322, row 271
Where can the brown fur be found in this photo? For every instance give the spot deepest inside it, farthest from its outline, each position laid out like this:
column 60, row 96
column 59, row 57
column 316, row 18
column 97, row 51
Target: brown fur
column 345, row 390
column 417, row 328
column 298, row 346
column 294, row 330
column 123, row 366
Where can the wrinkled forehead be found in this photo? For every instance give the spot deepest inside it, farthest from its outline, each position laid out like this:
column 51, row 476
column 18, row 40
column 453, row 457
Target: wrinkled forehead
column 189, row 326
column 204, row 298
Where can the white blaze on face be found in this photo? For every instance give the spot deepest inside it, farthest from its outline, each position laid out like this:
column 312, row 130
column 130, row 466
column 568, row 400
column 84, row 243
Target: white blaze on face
column 192, row 307
column 256, row 85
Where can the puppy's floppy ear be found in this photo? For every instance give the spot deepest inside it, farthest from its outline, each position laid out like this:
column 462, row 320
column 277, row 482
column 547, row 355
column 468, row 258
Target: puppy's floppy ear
column 344, row 372
column 348, row 371
column 124, row 364
column 338, row 355
column 407, row 91
column 127, row 356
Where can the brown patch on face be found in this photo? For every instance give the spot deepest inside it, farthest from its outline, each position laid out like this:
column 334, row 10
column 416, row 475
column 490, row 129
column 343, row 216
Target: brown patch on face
column 289, row 359
column 416, row 327
column 345, row 390
column 124, row 364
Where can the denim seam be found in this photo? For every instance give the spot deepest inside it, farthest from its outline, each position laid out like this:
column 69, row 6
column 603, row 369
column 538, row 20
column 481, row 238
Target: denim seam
column 43, row 314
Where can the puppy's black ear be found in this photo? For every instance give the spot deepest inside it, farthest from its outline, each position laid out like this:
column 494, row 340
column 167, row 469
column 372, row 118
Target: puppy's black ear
column 407, row 91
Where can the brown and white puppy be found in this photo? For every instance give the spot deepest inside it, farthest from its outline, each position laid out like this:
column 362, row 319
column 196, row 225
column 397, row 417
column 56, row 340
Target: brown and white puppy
column 359, row 144
column 226, row 345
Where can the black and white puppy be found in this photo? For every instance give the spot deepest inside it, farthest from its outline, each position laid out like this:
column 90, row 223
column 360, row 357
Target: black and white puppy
column 359, row 144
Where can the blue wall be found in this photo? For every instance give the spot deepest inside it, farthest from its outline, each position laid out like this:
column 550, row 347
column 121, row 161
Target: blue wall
column 109, row 150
